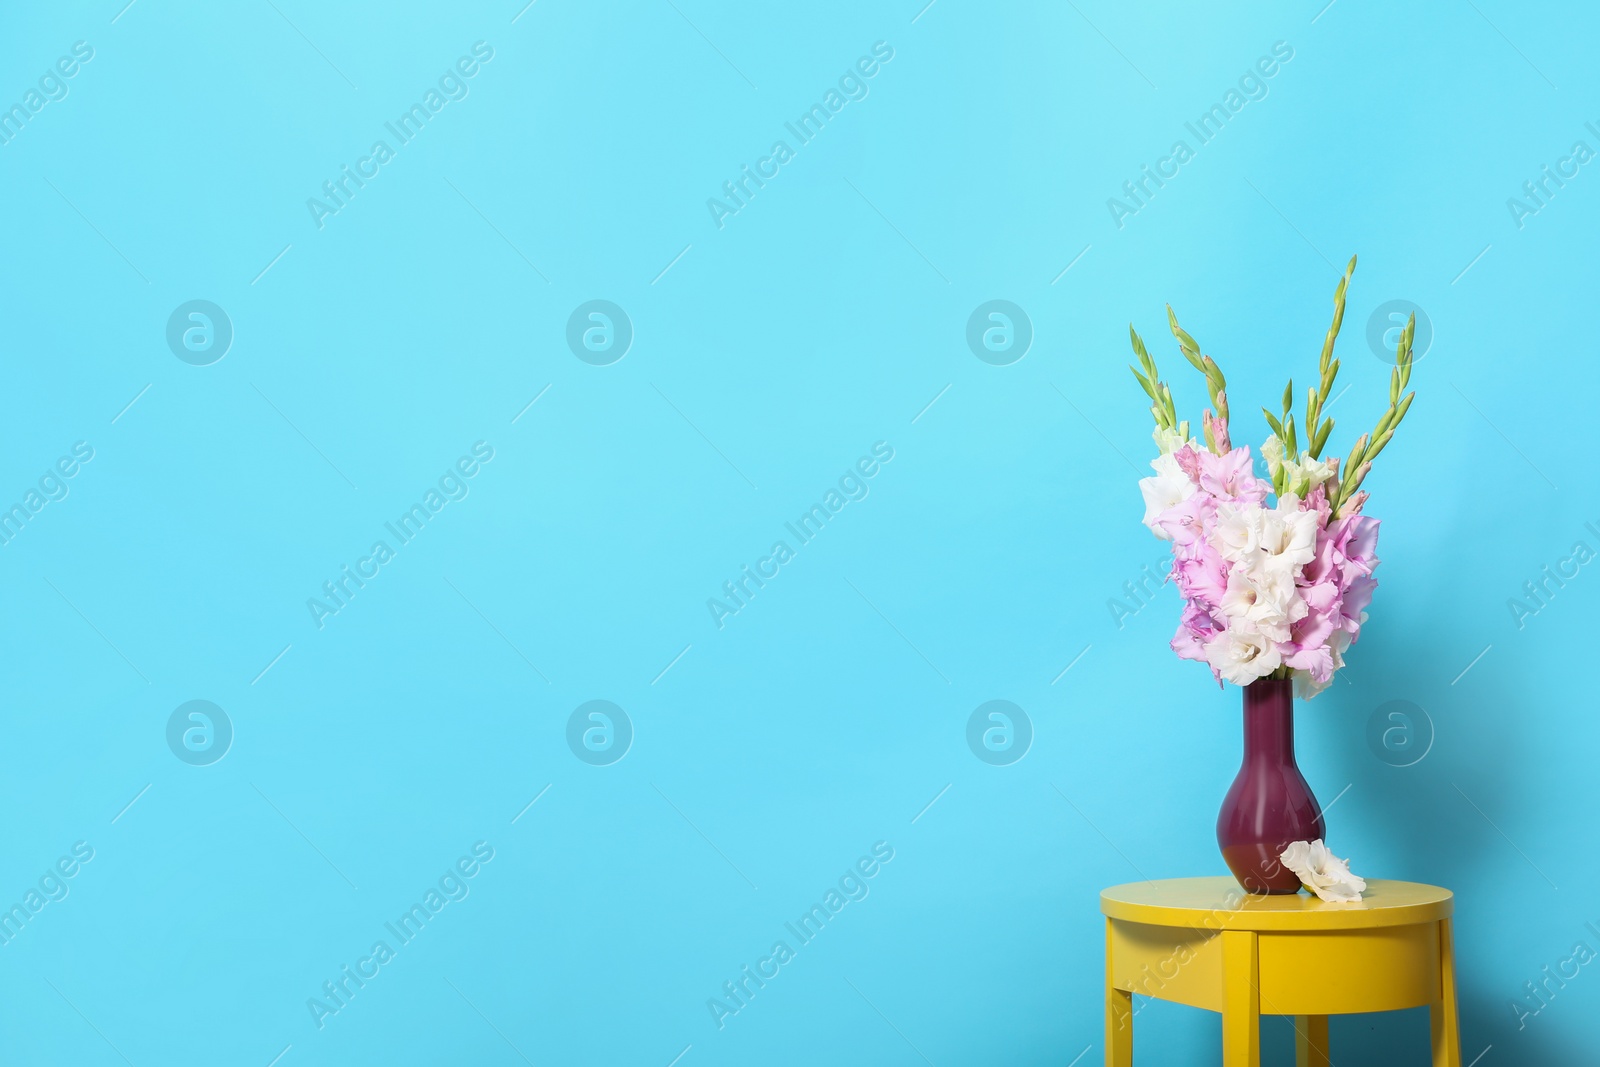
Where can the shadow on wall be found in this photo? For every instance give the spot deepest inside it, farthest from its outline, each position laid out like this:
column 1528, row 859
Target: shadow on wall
column 1435, row 827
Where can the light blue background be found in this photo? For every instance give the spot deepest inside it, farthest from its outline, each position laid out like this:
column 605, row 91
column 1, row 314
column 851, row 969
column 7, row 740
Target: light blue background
column 768, row 355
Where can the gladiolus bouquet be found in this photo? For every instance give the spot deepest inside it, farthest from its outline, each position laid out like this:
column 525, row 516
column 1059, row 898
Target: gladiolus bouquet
column 1270, row 589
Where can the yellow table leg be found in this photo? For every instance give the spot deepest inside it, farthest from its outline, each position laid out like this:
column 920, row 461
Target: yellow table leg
column 1311, row 1041
column 1442, row 1016
column 1119, row 1017
column 1241, row 1000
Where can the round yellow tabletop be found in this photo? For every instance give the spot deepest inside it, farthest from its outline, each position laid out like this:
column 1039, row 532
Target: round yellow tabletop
column 1207, row 943
column 1220, row 902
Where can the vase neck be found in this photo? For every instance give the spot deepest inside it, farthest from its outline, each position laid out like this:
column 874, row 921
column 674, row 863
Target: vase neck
column 1269, row 720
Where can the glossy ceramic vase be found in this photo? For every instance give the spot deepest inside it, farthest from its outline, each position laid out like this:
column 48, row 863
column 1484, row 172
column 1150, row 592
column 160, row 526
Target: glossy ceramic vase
column 1269, row 804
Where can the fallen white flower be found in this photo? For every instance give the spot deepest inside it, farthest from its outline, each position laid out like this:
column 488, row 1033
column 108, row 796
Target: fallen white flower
column 1322, row 872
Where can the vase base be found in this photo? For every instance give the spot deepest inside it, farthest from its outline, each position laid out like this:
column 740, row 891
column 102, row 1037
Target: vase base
column 1258, row 870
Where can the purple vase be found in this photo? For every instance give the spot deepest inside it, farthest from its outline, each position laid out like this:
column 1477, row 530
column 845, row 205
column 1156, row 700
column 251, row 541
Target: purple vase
column 1269, row 803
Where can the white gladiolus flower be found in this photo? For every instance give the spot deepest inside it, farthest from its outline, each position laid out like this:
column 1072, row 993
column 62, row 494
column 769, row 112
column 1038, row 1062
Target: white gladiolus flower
column 1242, row 599
column 1169, row 441
column 1288, row 535
column 1272, row 452
column 1307, row 474
column 1241, row 654
column 1338, row 642
column 1278, row 592
column 1169, row 488
column 1322, row 872
column 1265, row 598
column 1306, row 687
column 1256, row 601
column 1237, row 534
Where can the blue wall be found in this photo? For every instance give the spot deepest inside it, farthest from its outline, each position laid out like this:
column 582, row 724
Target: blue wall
column 413, row 336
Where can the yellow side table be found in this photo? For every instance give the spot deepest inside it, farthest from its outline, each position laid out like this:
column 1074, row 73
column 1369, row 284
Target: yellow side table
column 1207, row 943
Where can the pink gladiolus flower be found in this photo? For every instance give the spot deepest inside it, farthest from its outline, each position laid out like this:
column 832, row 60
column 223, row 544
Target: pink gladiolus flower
column 1195, row 629
column 1188, row 521
column 1317, row 500
column 1202, row 578
column 1358, row 542
column 1232, row 476
column 1317, row 661
column 1324, row 565
column 1188, row 462
column 1356, row 598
